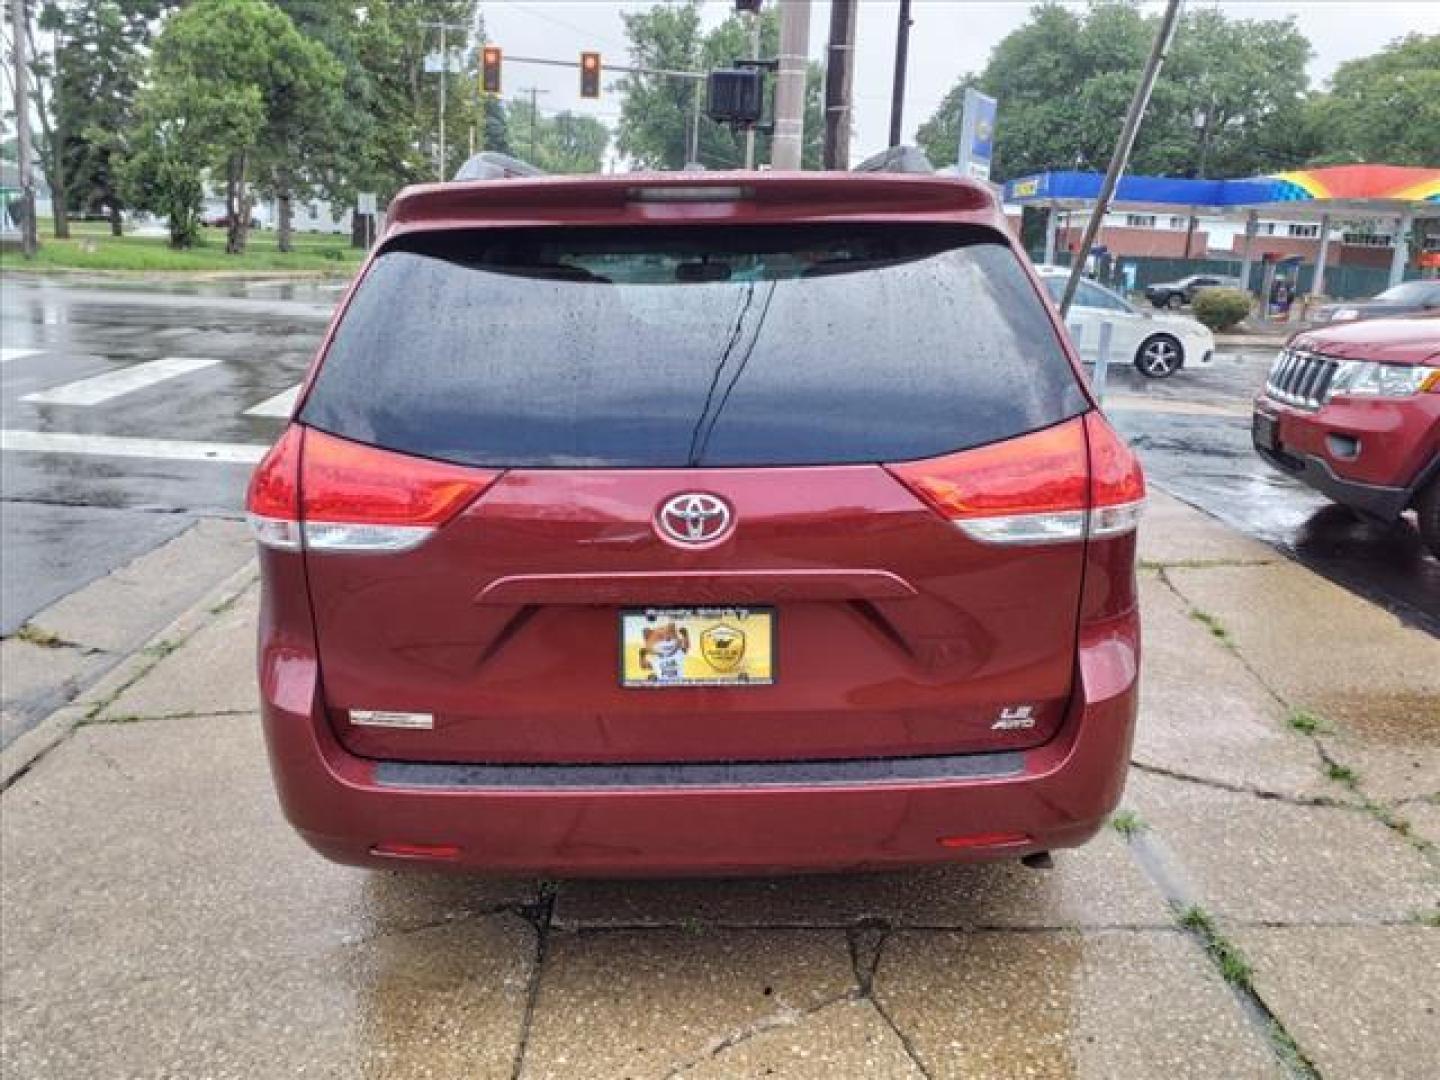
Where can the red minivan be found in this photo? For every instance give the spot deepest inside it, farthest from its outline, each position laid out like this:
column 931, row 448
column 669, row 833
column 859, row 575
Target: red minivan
column 697, row 524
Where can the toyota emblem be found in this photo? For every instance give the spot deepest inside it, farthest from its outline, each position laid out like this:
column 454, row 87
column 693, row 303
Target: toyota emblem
column 694, row 518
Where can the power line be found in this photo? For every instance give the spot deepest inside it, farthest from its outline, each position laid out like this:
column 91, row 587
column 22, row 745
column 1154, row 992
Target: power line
column 525, row 9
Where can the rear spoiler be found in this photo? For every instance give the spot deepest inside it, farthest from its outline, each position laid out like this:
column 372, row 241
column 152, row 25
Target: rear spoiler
column 748, row 196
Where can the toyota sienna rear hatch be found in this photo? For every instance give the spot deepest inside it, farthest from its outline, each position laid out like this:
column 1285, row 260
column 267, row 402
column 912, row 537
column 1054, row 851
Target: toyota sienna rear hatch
column 691, row 492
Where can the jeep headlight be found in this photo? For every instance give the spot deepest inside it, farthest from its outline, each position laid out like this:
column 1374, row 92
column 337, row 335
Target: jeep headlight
column 1365, row 378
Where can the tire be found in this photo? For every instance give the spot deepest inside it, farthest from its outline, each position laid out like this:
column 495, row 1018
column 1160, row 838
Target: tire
column 1427, row 509
column 1175, row 300
column 1159, row 356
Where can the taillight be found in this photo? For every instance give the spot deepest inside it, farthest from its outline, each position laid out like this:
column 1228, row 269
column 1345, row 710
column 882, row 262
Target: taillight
column 272, row 504
column 1055, row 486
column 1117, row 483
column 348, row 497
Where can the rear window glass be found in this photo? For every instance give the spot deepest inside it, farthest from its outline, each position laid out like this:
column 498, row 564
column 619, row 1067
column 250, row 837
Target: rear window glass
column 696, row 346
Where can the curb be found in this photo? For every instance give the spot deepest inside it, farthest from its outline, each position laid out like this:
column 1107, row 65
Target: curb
column 18, row 758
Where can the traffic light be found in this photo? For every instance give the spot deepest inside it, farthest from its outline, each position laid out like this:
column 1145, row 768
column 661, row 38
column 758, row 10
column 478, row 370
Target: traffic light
column 589, row 74
column 490, row 69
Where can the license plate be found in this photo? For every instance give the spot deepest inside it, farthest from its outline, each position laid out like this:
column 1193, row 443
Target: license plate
column 710, row 646
column 1265, row 432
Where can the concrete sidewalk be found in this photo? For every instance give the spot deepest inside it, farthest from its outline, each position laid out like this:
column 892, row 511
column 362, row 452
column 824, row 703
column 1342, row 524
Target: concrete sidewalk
column 1266, row 904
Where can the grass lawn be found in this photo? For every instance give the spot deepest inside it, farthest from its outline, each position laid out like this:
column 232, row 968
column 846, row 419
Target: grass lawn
column 91, row 247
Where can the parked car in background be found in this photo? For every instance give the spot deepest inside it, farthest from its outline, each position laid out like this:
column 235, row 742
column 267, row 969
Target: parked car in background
column 1354, row 412
column 697, row 523
column 1174, row 294
column 1407, row 298
column 1158, row 345
column 222, row 221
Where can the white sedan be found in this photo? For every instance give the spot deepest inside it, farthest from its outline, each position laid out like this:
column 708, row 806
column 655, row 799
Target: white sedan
column 1157, row 344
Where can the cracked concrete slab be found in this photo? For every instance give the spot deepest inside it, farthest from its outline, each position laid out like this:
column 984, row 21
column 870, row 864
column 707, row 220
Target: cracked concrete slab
column 1424, row 818
column 120, row 611
column 1361, row 1001
column 647, row 1004
column 1204, row 714
column 1320, row 647
column 1111, row 1005
column 211, row 672
column 1264, row 860
column 1173, row 532
column 37, row 679
column 847, row 1039
column 1096, row 885
column 445, row 1001
column 167, row 846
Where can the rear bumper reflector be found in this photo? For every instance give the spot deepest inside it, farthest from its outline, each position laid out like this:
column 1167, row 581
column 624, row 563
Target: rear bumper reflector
column 406, row 774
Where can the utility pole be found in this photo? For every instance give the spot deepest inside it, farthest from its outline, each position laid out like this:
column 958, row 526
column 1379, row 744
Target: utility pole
column 18, row 26
column 534, row 92
column 1203, row 122
column 444, row 78
column 754, row 55
column 839, row 77
column 785, row 149
column 902, row 55
column 1121, row 157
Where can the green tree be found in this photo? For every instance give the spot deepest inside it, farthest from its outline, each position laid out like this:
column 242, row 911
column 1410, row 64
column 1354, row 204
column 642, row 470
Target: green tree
column 264, row 91
column 1383, row 108
column 98, row 58
column 657, row 112
column 563, row 143
column 184, row 122
column 1231, row 92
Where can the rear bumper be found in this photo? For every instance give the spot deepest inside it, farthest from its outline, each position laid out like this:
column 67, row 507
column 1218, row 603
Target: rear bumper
column 791, row 817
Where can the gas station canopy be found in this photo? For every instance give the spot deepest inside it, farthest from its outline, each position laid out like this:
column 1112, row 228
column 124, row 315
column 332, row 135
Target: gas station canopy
column 1339, row 190
column 1400, row 192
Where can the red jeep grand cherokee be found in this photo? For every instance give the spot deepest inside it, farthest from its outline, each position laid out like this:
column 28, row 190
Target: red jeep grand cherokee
column 1354, row 411
column 697, row 524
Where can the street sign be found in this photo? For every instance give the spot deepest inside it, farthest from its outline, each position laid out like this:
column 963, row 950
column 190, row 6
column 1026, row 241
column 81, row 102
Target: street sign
column 977, row 135
column 365, row 202
column 436, row 62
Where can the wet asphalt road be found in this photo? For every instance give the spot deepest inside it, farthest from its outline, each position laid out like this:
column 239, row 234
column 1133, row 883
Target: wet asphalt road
column 69, row 518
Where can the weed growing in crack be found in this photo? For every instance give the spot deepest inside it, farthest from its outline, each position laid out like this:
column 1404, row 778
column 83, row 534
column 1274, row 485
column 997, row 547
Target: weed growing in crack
column 1214, row 625
column 1128, row 823
column 1307, row 722
column 1233, row 966
column 39, row 636
column 161, row 649
column 1289, row 1050
column 1342, row 774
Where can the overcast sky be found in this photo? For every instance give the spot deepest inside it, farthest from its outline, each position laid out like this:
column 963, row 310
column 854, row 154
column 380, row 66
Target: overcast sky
column 949, row 37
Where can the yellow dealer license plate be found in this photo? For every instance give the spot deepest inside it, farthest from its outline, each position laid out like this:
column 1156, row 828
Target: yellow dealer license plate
column 714, row 646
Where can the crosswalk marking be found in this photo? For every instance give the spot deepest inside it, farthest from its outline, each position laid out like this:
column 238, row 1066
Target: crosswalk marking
column 281, row 405
column 56, row 442
column 10, row 352
column 112, row 384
